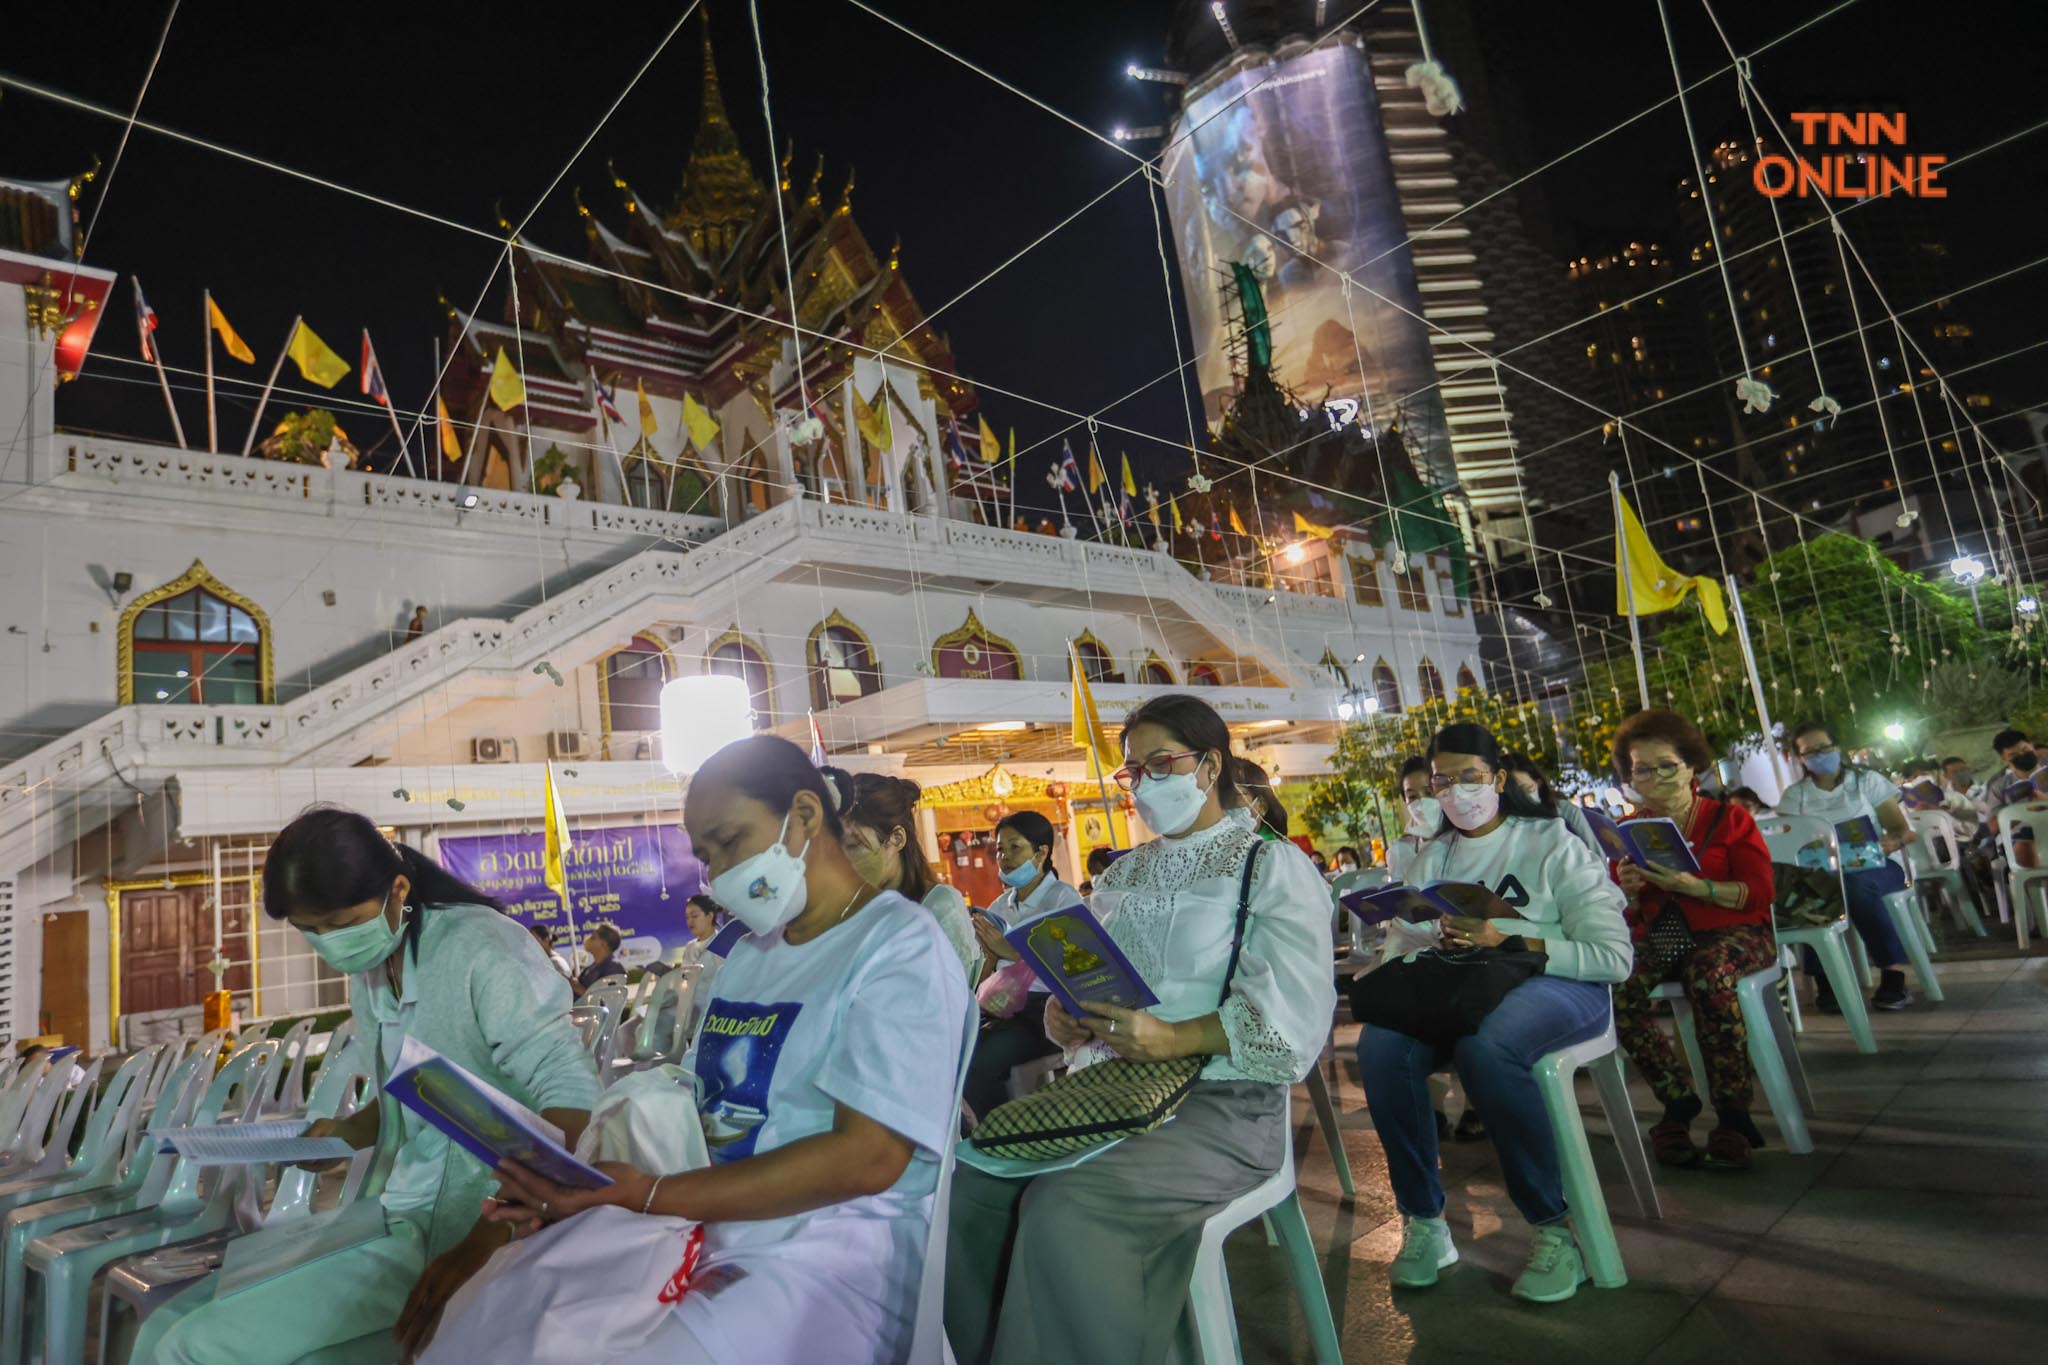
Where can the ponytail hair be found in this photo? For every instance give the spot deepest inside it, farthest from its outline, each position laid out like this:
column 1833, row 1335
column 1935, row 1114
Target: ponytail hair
column 886, row 804
column 329, row 857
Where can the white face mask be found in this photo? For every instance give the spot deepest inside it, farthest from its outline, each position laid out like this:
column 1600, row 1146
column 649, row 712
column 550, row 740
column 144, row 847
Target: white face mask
column 1425, row 816
column 1171, row 804
column 765, row 891
column 1468, row 805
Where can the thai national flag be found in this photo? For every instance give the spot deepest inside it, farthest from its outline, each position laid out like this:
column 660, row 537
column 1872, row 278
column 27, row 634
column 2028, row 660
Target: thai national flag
column 817, row 740
column 1215, row 525
column 145, row 321
column 606, row 399
column 1070, row 469
column 955, row 451
column 373, row 375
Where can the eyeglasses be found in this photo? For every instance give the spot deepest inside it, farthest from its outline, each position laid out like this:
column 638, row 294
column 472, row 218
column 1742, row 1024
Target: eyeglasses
column 1471, row 777
column 1157, row 767
column 1663, row 772
column 1816, row 750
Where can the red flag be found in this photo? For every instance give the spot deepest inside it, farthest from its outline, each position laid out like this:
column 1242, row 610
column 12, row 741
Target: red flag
column 145, row 321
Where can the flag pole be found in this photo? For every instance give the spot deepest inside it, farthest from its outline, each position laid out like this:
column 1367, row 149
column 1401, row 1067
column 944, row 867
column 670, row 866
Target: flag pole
column 1094, row 739
column 206, row 327
column 256, row 422
column 1628, row 587
column 156, row 355
column 1756, row 686
column 390, row 410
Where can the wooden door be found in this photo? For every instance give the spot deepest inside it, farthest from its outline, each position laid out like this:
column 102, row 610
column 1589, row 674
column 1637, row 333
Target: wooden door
column 67, row 946
column 167, row 940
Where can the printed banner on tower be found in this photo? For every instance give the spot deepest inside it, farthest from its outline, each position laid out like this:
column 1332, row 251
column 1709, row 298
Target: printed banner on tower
column 635, row 878
column 1287, row 171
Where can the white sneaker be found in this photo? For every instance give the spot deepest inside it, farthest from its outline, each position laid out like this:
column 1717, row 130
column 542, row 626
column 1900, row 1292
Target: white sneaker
column 1426, row 1248
column 1555, row 1270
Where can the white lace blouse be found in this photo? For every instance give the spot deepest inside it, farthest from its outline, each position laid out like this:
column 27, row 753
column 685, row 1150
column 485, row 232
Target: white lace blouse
column 1171, row 905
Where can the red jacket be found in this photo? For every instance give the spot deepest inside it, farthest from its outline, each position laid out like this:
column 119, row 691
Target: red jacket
column 1733, row 851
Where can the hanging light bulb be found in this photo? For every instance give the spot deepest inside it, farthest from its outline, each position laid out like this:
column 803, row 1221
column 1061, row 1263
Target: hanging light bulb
column 700, row 715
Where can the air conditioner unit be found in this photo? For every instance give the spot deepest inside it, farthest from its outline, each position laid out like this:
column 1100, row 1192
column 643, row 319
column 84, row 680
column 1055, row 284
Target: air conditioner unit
column 568, row 744
column 494, row 749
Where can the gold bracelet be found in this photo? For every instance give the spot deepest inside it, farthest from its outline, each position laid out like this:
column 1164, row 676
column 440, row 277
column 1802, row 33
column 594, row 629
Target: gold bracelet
column 647, row 1204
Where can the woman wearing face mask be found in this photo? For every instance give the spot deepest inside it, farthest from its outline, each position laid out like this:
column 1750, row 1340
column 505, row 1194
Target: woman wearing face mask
column 1707, row 930
column 1255, row 785
column 1422, row 818
column 825, row 1068
column 1836, row 792
column 1092, row 1263
column 1523, row 772
column 431, row 958
column 1024, row 841
column 881, row 839
column 1564, row 907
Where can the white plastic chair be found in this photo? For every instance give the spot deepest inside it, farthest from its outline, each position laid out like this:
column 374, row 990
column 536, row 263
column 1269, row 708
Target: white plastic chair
column 673, row 993
column 1773, row 1050
column 1211, row 1314
column 139, row 1287
column 100, row 1151
column 1937, row 857
column 1554, row 1072
column 2024, row 881
column 296, row 1045
column 30, row 1081
column 32, row 1137
column 1786, row 836
column 61, row 1266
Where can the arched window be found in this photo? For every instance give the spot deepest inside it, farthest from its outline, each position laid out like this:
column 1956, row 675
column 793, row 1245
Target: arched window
column 1096, row 660
column 194, row 640
column 1202, row 675
column 1156, row 673
column 735, row 656
column 1385, row 687
column 1432, row 681
column 972, row 652
column 629, row 683
column 841, row 661
column 1466, row 682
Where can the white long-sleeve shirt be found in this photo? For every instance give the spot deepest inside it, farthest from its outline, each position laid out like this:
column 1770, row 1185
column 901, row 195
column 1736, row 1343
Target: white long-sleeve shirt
column 1172, row 907
column 1558, row 887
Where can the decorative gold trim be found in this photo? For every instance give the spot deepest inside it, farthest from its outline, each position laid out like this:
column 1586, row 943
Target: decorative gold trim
column 1426, row 662
column 1151, row 658
column 194, row 577
column 981, row 791
column 1393, row 676
column 604, row 684
column 1447, row 592
column 812, row 665
column 1330, row 661
column 733, row 636
column 114, row 891
column 969, row 629
column 1465, row 672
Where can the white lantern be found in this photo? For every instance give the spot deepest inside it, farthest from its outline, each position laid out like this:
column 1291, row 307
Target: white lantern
column 701, row 715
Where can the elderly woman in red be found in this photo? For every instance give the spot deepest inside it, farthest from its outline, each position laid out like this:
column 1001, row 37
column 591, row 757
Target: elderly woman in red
column 1707, row 930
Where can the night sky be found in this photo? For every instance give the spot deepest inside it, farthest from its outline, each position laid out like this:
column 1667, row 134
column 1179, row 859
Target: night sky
column 459, row 116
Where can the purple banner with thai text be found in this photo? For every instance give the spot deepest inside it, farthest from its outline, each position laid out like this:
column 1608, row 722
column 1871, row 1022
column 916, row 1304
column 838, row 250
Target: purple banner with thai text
column 635, row 878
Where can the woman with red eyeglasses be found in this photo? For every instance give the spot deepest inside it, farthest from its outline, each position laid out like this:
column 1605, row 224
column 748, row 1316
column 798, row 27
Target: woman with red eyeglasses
column 1092, row 1263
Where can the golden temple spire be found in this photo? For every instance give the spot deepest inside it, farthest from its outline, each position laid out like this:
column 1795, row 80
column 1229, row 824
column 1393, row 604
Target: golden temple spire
column 720, row 194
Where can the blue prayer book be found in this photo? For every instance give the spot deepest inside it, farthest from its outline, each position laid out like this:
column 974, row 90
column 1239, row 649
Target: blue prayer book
column 1075, row 958
column 1646, row 842
column 483, row 1120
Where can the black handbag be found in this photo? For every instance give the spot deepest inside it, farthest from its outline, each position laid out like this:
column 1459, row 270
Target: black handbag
column 1439, row 997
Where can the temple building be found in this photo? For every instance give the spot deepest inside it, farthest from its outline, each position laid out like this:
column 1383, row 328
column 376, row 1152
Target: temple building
column 205, row 644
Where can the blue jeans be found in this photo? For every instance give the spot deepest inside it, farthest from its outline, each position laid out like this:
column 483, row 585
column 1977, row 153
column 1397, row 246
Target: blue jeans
column 1866, row 892
column 1496, row 1064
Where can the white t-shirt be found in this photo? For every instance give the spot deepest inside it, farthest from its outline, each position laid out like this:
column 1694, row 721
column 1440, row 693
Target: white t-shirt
column 1558, row 887
column 949, row 908
column 1859, row 793
column 870, row 1014
column 1049, row 895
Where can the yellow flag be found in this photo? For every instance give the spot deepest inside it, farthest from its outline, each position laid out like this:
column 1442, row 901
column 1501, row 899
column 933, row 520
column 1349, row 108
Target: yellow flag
column 508, row 390
column 554, row 840
column 990, row 446
column 1309, row 528
column 1087, row 721
column 698, row 423
column 1173, row 506
column 873, row 419
column 1237, row 522
column 648, row 426
column 1130, row 484
column 316, row 359
column 237, row 347
column 1096, row 478
column 1656, row 585
column 450, row 446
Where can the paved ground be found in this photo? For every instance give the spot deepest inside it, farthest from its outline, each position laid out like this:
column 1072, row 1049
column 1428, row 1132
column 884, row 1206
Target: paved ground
column 1916, row 1231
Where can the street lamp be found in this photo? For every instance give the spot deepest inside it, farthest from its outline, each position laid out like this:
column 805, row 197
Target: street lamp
column 1969, row 571
column 1895, row 732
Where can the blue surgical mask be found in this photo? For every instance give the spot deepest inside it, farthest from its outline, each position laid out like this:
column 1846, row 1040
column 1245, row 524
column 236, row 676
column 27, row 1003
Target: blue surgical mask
column 1022, row 875
column 1823, row 765
column 358, row 947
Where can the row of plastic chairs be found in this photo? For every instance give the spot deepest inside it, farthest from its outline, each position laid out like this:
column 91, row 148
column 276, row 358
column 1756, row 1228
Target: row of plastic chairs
column 106, row 1210
column 635, row 1027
